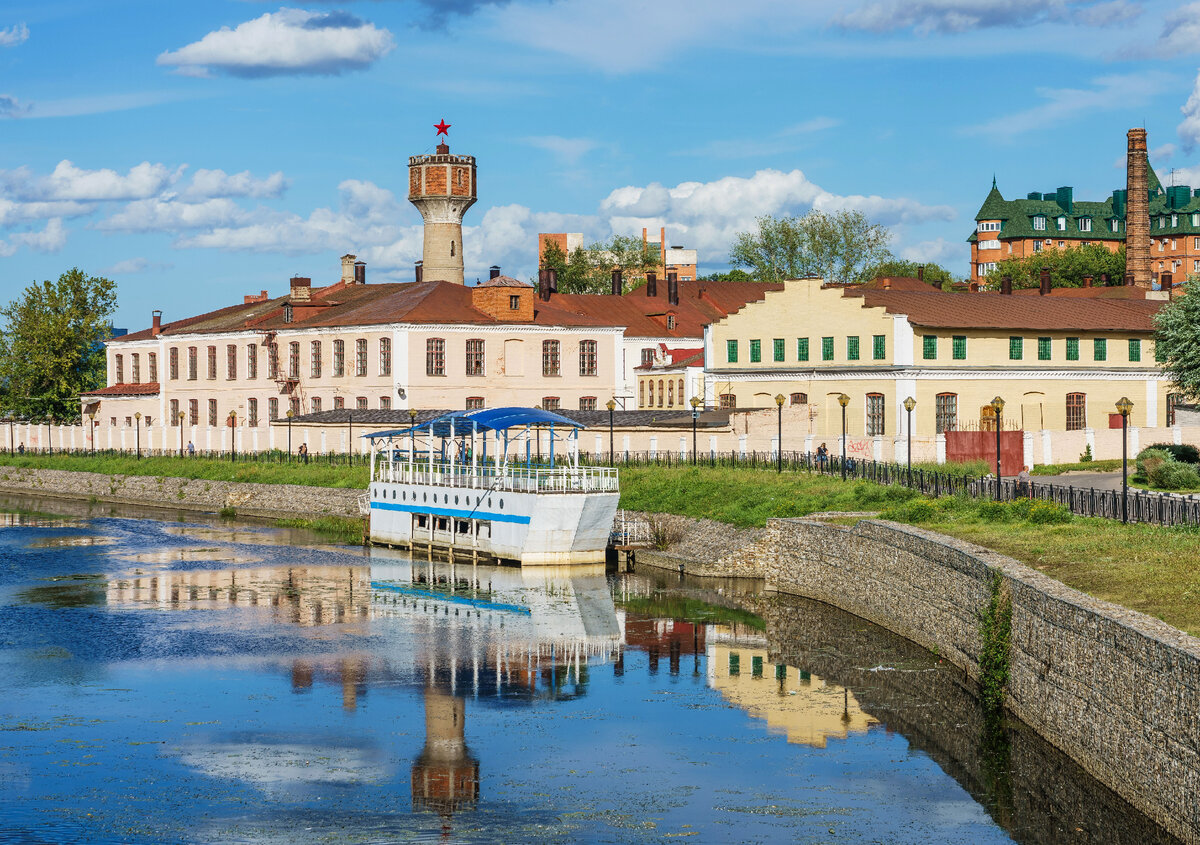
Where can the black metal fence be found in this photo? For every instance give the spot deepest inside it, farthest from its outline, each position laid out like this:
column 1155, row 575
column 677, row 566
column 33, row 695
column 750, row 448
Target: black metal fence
column 1141, row 506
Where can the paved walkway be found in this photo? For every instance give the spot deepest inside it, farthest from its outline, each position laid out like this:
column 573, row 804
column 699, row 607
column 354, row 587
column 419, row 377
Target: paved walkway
column 1099, row 480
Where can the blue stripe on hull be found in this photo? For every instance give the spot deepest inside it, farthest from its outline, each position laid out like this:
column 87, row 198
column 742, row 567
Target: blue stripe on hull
column 458, row 514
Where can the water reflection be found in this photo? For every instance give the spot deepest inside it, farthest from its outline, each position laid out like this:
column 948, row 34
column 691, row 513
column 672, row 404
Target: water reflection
column 246, row 690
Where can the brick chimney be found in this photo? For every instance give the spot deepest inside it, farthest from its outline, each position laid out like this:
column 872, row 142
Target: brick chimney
column 261, row 296
column 418, row 272
column 544, row 284
column 494, row 271
column 360, row 272
column 618, row 285
column 1087, row 281
column 301, row 289
column 651, row 284
column 672, row 288
column 1006, row 285
column 348, row 269
column 1137, row 212
column 921, row 273
column 552, row 280
column 1044, row 280
column 155, row 323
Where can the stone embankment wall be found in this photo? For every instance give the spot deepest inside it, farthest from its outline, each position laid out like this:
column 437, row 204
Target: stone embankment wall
column 266, row 500
column 1117, row 691
column 705, row 547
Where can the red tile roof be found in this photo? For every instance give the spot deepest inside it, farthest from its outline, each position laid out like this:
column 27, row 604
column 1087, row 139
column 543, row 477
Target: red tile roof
column 1015, row 313
column 146, row 388
column 677, row 358
column 1106, row 292
column 894, row 283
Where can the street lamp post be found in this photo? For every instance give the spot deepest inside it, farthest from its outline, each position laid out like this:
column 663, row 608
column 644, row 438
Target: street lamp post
column 695, row 401
column 290, row 414
column 998, row 408
column 350, row 436
column 182, row 416
column 1124, row 407
column 909, row 404
column 779, row 432
column 92, row 431
column 843, row 400
column 611, row 404
column 232, row 436
column 137, row 422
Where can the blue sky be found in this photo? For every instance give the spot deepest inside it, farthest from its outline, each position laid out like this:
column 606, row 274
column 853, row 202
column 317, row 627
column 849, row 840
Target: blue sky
column 196, row 152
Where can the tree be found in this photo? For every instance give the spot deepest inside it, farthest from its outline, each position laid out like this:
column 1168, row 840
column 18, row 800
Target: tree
column 838, row 247
column 51, row 347
column 1177, row 338
column 734, row 275
column 1067, row 266
column 902, row 267
column 589, row 270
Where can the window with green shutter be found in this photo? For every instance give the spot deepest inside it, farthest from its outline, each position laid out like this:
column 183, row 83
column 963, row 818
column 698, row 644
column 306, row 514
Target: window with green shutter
column 731, row 351
column 801, row 349
column 1099, row 349
column 1072, row 349
column 1135, row 349
column 778, row 349
column 879, row 347
column 1043, row 349
column 960, row 347
column 852, row 348
column 826, row 349
column 930, row 346
column 755, row 351
column 1016, row 348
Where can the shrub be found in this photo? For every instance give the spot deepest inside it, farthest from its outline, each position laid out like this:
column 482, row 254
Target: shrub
column 1149, row 459
column 896, row 493
column 1048, row 513
column 665, row 529
column 918, row 511
column 1183, row 452
column 1172, row 475
column 1086, row 457
column 1021, row 508
column 994, row 512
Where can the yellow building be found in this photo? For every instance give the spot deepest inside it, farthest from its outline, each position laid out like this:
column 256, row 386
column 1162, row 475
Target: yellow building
column 1060, row 361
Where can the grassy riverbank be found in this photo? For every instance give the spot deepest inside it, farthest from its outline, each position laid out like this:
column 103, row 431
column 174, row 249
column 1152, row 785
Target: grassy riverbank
column 314, row 474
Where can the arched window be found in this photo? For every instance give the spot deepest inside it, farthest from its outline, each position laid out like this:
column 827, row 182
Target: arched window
column 550, row 403
column 587, row 357
column 671, row 393
column 875, row 415
column 474, row 403
column 339, row 357
column 294, row 359
column 314, row 359
column 728, row 400
column 1076, row 411
column 451, row 247
column 660, row 393
column 641, row 394
column 799, row 399
column 587, row 403
column 435, row 357
column 475, row 357
column 946, row 412
column 550, row 358
column 682, row 398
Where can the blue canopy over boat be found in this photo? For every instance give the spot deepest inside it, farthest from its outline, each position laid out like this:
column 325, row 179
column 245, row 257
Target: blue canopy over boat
column 485, row 419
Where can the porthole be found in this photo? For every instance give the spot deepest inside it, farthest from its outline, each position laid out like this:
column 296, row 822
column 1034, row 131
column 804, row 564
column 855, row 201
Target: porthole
column 456, row 500
column 501, row 504
column 424, row 497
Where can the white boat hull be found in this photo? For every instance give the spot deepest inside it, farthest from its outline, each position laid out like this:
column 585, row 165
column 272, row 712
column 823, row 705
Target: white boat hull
column 534, row 529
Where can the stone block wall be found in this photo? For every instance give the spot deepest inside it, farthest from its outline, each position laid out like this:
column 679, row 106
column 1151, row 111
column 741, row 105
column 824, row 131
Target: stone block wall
column 1117, row 691
column 268, row 500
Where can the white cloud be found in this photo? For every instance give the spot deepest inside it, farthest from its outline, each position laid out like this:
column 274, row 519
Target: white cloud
column 14, row 35
column 51, row 239
column 1109, row 93
column 953, row 16
column 134, row 265
column 1189, row 129
column 218, row 183
column 69, row 182
column 1180, row 33
column 171, row 215
column 566, row 150
column 12, row 213
column 290, row 41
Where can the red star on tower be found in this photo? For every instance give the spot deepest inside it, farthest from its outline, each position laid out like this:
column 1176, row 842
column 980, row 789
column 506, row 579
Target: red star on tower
column 442, row 127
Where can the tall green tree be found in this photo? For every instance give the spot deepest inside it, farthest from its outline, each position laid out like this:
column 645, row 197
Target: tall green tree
column 1067, row 267
column 838, row 247
column 589, row 269
column 51, row 345
column 1177, row 338
column 903, row 267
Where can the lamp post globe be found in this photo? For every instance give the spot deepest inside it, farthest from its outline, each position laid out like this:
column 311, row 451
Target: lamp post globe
column 1124, row 408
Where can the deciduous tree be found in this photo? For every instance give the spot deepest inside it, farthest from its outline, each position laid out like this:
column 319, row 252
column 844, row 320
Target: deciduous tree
column 904, row 267
column 1177, row 338
column 1067, row 266
column 589, row 270
column 51, row 345
column 839, row 247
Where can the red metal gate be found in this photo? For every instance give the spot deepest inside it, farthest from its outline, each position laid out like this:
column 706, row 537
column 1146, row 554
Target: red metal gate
column 981, row 446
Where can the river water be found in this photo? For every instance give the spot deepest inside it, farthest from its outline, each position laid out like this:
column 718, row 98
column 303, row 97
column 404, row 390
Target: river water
column 205, row 681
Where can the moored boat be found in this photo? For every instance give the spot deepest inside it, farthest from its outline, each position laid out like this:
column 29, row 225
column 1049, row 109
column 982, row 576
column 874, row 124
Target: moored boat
column 497, row 483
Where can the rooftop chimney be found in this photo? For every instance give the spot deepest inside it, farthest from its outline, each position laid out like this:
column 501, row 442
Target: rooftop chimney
column 347, row 269
column 360, row 272
column 1006, row 285
column 651, row 284
column 493, row 271
column 155, row 323
column 921, row 272
column 672, row 288
column 886, row 283
column 1087, row 281
column 618, row 285
column 937, row 284
column 1128, row 276
column 419, row 272
column 1044, row 278
column 1165, row 280
column 552, row 281
column 1137, row 214
column 544, row 284
column 301, row 289
column 261, row 296
column 1104, row 280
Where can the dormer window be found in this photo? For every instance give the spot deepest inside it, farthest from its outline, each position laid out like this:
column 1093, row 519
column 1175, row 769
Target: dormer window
column 670, row 322
column 514, row 303
column 1062, row 224
column 1039, row 223
column 1115, row 225
column 287, row 312
column 1085, row 224
column 990, row 226
column 1174, row 220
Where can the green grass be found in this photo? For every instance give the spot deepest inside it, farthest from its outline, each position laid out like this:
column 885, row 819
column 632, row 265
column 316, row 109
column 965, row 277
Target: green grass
column 314, row 474
column 1107, row 465
column 343, row 529
column 1142, row 567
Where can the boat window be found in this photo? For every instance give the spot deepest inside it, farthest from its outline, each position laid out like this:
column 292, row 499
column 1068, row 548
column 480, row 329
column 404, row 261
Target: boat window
column 501, row 504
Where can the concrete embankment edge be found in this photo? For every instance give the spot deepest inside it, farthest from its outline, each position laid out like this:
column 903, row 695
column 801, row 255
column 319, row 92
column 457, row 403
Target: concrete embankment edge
column 186, row 494
column 1117, row 691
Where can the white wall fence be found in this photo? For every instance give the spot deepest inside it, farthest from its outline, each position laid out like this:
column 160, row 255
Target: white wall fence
column 1040, row 447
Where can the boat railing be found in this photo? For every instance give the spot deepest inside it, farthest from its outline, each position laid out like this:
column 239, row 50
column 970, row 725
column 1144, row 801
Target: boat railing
column 564, row 479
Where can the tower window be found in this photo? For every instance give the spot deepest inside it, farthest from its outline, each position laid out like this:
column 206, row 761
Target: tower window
column 452, row 247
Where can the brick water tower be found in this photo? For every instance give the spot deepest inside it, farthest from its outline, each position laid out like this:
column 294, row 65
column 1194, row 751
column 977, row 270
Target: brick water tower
column 442, row 187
